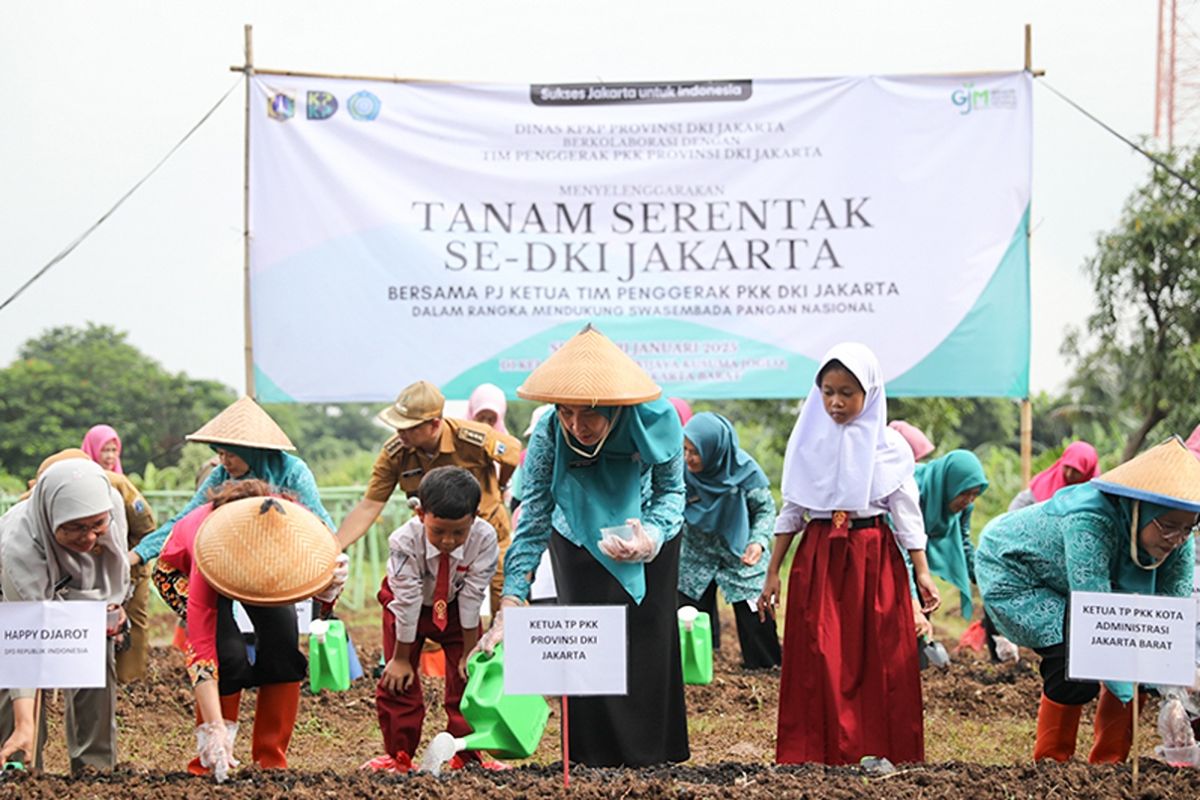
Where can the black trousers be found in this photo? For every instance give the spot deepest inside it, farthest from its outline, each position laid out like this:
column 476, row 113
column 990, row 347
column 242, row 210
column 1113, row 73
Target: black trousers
column 759, row 640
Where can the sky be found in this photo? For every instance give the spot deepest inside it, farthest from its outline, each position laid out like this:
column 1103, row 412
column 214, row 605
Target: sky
column 97, row 93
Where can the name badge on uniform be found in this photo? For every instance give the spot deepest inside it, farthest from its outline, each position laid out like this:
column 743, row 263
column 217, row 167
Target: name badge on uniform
column 410, row 473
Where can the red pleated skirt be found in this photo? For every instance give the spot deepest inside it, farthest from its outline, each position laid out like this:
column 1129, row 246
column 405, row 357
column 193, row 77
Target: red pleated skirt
column 851, row 685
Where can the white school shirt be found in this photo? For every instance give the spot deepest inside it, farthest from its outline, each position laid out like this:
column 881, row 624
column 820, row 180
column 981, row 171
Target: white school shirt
column 413, row 567
column 904, row 505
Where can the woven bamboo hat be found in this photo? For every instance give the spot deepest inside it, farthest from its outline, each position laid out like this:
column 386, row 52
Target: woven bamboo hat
column 265, row 551
column 243, row 423
column 590, row 370
column 1167, row 474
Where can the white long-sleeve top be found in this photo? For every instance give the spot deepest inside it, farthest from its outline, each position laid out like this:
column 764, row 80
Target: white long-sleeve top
column 904, row 506
column 413, row 567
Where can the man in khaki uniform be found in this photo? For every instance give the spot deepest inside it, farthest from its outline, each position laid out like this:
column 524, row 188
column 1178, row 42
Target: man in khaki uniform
column 131, row 662
column 424, row 440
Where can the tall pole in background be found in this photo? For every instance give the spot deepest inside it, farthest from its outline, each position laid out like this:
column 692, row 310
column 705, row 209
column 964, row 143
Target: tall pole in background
column 248, row 69
column 1026, row 405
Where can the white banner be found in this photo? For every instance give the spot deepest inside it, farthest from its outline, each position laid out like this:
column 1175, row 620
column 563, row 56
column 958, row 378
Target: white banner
column 565, row 650
column 1132, row 637
column 56, row 644
column 725, row 233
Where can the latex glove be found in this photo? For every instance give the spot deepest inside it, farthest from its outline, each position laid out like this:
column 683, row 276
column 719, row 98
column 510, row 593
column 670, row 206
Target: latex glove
column 214, row 746
column 1174, row 726
column 341, row 571
column 638, row 547
column 753, row 553
column 1007, row 651
column 495, row 634
column 1122, row 691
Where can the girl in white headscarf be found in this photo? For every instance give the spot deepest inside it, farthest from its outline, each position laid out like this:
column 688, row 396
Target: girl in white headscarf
column 850, row 685
column 68, row 541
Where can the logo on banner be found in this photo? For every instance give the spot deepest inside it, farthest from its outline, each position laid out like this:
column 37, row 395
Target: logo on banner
column 321, row 105
column 281, row 106
column 363, row 106
column 969, row 99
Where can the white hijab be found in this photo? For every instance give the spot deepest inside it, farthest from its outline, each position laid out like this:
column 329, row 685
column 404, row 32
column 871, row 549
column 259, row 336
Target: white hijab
column 34, row 566
column 832, row 467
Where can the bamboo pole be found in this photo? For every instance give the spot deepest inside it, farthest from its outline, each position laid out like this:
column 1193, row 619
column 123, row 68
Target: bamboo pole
column 1136, row 713
column 1026, row 405
column 248, row 70
column 1037, row 73
column 1026, row 441
column 336, row 76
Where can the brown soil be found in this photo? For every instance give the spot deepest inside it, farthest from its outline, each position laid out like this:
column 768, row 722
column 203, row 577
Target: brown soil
column 731, row 726
column 952, row 781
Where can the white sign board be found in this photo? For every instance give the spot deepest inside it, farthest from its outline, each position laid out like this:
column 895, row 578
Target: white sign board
column 1132, row 637
column 565, row 650
column 304, row 612
column 54, row 644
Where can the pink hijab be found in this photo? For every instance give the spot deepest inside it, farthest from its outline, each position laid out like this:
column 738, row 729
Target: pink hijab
column 488, row 397
column 919, row 442
column 1079, row 455
column 1193, row 441
column 682, row 409
column 94, row 441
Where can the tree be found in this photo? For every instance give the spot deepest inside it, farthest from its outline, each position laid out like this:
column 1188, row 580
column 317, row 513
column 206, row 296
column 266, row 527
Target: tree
column 1142, row 344
column 69, row 379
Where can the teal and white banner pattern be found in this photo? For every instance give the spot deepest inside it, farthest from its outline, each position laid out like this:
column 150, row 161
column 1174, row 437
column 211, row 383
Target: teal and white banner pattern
column 725, row 233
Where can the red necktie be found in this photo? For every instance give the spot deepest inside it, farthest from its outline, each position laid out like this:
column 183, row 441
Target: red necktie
column 441, row 590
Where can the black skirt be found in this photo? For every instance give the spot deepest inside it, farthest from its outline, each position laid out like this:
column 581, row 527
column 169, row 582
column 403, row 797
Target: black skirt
column 277, row 648
column 649, row 724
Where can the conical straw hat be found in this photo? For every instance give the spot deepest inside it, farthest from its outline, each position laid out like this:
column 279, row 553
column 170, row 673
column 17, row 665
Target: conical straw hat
column 589, row 370
column 265, row 551
column 243, row 423
column 1167, row 474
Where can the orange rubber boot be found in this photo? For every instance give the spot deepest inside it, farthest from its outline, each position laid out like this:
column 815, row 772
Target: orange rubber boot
column 1057, row 727
column 274, row 719
column 1113, row 730
column 230, row 704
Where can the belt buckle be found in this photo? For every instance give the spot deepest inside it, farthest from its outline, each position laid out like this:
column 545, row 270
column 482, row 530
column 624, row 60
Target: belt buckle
column 839, row 524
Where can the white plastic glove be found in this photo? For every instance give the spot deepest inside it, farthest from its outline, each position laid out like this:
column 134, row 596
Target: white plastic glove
column 638, row 547
column 1006, row 650
column 214, row 746
column 341, row 572
column 495, row 634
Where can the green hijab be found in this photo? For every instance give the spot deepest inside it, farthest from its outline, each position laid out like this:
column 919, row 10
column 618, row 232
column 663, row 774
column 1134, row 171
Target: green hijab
column 267, row 465
column 940, row 481
column 1085, row 497
column 605, row 488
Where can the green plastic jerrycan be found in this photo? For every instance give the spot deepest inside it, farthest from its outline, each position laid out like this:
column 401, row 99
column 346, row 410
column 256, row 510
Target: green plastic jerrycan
column 509, row 726
column 328, row 659
column 695, row 645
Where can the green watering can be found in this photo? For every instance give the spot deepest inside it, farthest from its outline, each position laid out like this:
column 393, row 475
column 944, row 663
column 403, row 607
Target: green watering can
column 509, row 726
column 695, row 645
column 328, row 659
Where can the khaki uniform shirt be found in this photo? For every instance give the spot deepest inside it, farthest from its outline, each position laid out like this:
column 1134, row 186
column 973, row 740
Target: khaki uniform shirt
column 486, row 453
column 137, row 510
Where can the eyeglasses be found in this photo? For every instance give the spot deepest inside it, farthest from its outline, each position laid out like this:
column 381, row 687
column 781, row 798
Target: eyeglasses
column 1176, row 531
column 78, row 530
